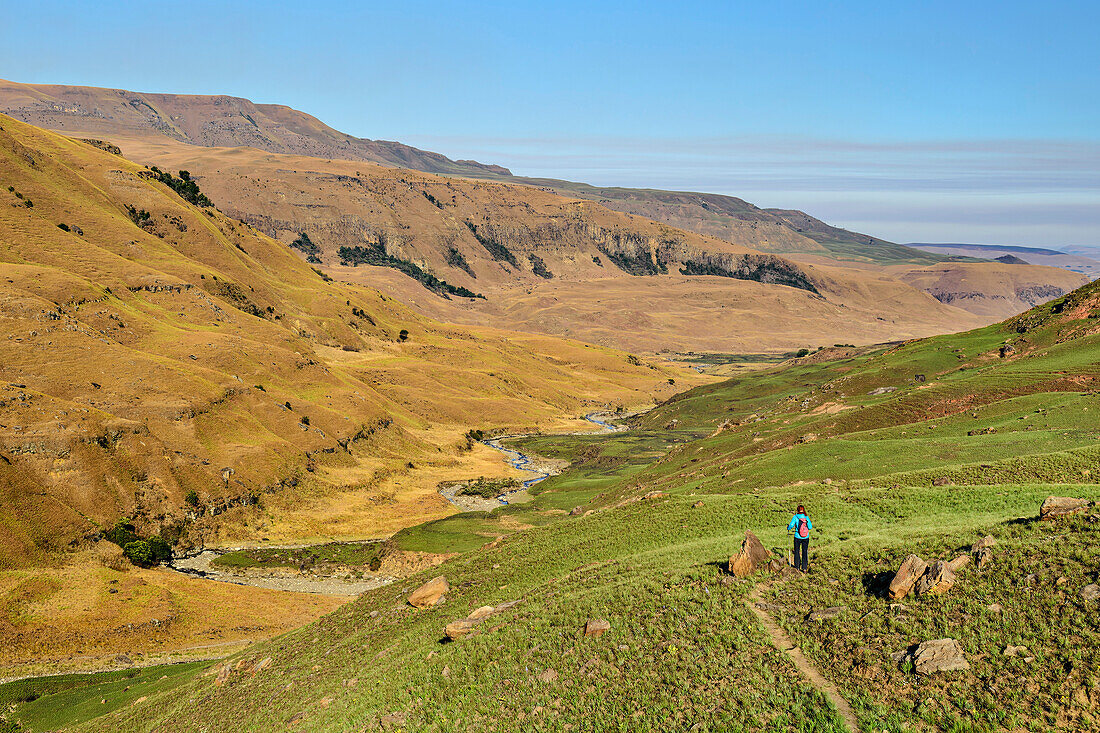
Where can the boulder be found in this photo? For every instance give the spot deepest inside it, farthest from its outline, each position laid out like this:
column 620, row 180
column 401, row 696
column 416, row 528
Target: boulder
column 697, row 505
column 597, row 627
column 939, row 655
column 827, row 613
column 576, row 511
column 942, row 481
column 430, row 593
column 655, row 495
column 461, row 629
column 752, row 556
column 958, row 563
column 1061, row 506
column 1090, row 592
column 983, row 550
column 550, row 675
column 481, row 613
column 1014, row 651
column 937, row 579
column 906, row 577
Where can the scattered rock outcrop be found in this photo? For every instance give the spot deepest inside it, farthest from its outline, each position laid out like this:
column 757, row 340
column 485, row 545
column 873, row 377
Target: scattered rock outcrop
column 1061, row 506
column 429, row 594
column 939, row 655
column 910, row 571
column 752, row 557
column 470, row 625
column 924, row 579
column 937, row 579
column 983, row 551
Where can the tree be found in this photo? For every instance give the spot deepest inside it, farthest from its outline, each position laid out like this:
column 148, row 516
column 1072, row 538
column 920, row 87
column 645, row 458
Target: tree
column 139, row 552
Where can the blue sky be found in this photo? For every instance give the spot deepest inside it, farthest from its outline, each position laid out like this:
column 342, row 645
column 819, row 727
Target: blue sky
column 915, row 121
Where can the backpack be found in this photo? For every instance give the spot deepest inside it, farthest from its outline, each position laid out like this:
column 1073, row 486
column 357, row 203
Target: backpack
column 803, row 528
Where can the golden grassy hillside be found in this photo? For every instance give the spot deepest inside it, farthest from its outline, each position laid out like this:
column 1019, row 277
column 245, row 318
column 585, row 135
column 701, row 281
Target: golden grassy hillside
column 423, row 219
column 139, row 360
column 992, row 289
column 211, row 119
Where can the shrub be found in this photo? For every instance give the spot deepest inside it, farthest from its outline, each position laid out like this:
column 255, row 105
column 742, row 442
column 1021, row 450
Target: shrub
column 375, row 564
column 159, row 549
column 538, row 266
column 192, row 498
column 801, row 352
column 138, row 216
column 376, row 255
column 63, row 227
column 139, row 552
column 184, row 186
column 122, row 533
column 496, row 249
column 404, row 335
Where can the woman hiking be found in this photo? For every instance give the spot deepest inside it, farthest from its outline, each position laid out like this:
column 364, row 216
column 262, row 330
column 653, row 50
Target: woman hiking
column 801, row 525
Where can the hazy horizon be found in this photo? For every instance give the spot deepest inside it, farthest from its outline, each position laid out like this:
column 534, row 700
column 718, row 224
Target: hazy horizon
column 931, row 123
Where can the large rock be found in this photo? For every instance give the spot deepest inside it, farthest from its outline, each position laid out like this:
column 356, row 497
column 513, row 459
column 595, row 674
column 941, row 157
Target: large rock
column 1061, row 506
column 907, row 576
column 752, row 556
column 939, row 655
column 959, row 563
column 983, row 550
column 430, row 593
column 461, row 629
column 1090, row 592
column 937, row 579
column 597, row 627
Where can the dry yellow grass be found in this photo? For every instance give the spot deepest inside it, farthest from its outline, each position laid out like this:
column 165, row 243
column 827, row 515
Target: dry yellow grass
column 94, row 605
column 151, row 357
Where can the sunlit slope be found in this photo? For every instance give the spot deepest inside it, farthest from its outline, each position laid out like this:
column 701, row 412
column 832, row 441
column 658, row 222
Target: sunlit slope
column 924, row 447
column 577, row 268
column 138, row 362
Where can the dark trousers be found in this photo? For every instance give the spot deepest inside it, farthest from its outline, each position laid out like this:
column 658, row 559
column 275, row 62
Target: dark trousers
column 802, row 553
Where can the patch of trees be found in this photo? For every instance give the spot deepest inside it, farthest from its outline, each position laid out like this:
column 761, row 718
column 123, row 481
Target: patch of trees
column 375, row 254
column 141, row 551
column 307, row 247
column 141, row 217
column 456, row 259
column 538, row 266
column 496, row 249
column 635, row 261
column 184, row 186
column 488, row 488
column 759, row 268
column 435, row 202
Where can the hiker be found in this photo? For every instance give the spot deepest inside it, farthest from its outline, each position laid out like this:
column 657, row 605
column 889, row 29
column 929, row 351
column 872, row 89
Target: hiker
column 801, row 525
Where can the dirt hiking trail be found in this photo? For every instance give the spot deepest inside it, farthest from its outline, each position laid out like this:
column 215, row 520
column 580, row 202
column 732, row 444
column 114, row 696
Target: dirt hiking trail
column 783, row 643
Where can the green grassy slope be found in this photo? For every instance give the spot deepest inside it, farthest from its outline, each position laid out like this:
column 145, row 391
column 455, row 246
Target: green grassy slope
column 967, row 443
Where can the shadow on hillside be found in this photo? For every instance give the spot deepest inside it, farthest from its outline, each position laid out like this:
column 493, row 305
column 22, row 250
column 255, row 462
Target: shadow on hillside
column 878, row 584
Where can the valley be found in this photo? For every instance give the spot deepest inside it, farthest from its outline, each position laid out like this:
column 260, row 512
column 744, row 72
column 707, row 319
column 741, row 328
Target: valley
column 989, row 433
column 265, row 387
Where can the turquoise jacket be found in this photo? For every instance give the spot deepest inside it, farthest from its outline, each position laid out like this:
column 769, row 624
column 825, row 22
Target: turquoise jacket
column 794, row 522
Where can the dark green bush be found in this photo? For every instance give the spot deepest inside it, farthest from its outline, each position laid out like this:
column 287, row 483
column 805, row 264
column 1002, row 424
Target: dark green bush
column 122, row 533
column 139, row 552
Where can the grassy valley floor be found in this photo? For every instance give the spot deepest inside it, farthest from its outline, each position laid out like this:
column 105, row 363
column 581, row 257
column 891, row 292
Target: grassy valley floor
column 923, row 448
